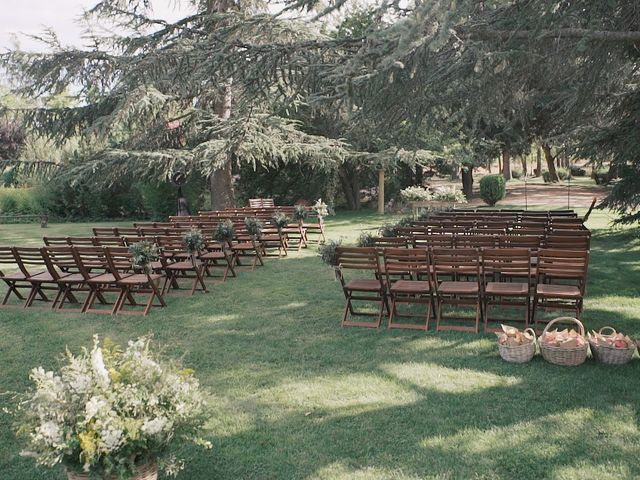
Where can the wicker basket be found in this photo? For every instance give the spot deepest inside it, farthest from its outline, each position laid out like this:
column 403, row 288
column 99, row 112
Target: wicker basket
column 568, row 357
column 143, row 472
column 519, row 353
column 611, row 355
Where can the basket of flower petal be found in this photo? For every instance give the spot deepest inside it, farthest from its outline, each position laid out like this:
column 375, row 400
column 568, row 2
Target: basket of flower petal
column 612, row 347
column 565, row 347
column 516, row 346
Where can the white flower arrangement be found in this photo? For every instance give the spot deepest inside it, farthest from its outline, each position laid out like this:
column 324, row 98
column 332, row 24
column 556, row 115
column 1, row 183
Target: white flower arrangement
column 109, row 410
column 415, row 193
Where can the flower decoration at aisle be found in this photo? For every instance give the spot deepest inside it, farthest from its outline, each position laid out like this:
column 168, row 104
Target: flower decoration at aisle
column 110, row 411
column 193, row 241
column 144, row 253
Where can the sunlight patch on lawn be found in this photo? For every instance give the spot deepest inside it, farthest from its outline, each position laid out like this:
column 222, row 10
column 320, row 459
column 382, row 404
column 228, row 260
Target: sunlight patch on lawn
column 447, row 380
column 340, row 470
column 590, row 471
column 369, row 391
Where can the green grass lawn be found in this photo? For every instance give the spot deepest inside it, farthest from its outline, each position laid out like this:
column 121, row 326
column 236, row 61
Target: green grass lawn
column 294, row 396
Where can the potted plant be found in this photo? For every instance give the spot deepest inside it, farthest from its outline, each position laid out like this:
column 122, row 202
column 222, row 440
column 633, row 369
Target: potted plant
column 193, row 242
column 254, row 227
column 111, row 413
column 224, row 233
column 144, row 253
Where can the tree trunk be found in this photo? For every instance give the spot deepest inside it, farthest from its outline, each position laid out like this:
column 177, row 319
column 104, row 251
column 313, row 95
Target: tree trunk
column 419, row 175
column 524, row 164
column 467, row 181
column 506, row 165
column 538, row 171
column 489, row 161
column 350, row 182
column 499, row 164
column 221, row 180
column 553, row 174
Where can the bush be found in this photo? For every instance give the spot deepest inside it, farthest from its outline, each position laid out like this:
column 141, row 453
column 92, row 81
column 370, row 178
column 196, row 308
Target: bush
column 415, row 194
column 449, row 194
column 516, row 173
column 546, row 177
column 601, row 176
column 365, row 240
column 327, row 252
column 577, row 171
column 21, row 201
column 563, row 173
column 492, row 189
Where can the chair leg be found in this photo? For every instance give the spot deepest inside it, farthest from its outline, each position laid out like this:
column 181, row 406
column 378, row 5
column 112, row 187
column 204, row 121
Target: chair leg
column 347, row 309
column 393, row 312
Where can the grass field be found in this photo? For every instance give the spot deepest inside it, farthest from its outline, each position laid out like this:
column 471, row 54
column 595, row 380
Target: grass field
column 294, row 396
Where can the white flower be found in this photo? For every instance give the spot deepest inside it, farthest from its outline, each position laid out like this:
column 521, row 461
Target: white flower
column 97, row 362
column 111, row 439
column 50, row 432
column 93, row 406
column 81, row 383
column 155, row 426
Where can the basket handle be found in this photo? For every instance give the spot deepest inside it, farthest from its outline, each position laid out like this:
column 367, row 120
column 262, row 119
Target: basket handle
column 567, row 320
column 613, row 331
column 532, row 332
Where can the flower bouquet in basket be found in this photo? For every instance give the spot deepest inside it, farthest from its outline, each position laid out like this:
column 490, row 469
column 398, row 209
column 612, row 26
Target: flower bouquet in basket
column 564, row 347
column 516, row 346
column 144, row 253
column 112, row 413
column 194, row 242
column 612, row 348
column 280, row 220
column 224, row 233
column 300, row 213
column 254, row 227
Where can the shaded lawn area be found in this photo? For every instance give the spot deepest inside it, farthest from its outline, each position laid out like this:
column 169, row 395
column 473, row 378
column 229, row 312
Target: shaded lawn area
column 294, row 396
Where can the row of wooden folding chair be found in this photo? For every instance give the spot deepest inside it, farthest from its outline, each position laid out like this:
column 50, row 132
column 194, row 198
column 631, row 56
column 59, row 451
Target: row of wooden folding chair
column 70, row 270
column 461, row 277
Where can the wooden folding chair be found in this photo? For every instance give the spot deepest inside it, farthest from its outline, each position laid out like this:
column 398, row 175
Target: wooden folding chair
column 568, row 242
column 55, row 241
column 475, row 241
column 315, row 224
column 500, row 267
column 109, row 241
column 561, row 281
column 457, row 265
column 216, row 256
column 63, row 268
column 94, row 267
column 409, row 280
column 247, row 246
column 33, row 267
column 363, row 260
column 105, row 232
column 131, row 283
column 180, row 265
column 433, row 241
column 16, row 280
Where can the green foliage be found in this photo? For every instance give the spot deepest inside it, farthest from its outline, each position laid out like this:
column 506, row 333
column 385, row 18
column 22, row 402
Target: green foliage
column 280, row 220
column 492, row 189
column 12, row 139
column 388, row 230
column 254, row 226
column 365, row 240
column 516, row 173
column 563, row 173
column 193, row 241
column 577, row 170
column 327, row 252
column 21, row 201
column 601, row 176
column 224, row 232
column 300, row 212
column 546, row 177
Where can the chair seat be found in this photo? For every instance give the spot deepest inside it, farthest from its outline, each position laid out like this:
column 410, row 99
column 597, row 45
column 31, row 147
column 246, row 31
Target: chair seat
column 139, row 279
column 462, row 288
column 213, row 256
column 15, row 276
column 243, row 246
column 103, row 278
column 181, row 266
column 506, row 289
column 43, row 277
column 363, row 285
column 72, row 278
column 410, row 286
column 558, row 291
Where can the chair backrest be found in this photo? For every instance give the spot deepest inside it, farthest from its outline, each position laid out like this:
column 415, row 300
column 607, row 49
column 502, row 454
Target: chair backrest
column 105, row 231
column 568, row 242
column 452, row 262
column 81, row 241
column 386, row 242
column 119, row 261
column 498, row 263
column 59, row 259
column 171, row 245
column 108, row 241
column 406, row 262
column 27, row 258
column 125, row 232
column 433, row 241
column 563, row 265
column 51, row 241
column 358, row 258
column 261, row 202
column 520, row 241
column 7, row 257
column 475, row 241
column 89, row 259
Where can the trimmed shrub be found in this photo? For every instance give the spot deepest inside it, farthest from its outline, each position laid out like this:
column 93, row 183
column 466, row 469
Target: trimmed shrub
column 577, row 171
column 492, row 189
column 563, row 173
